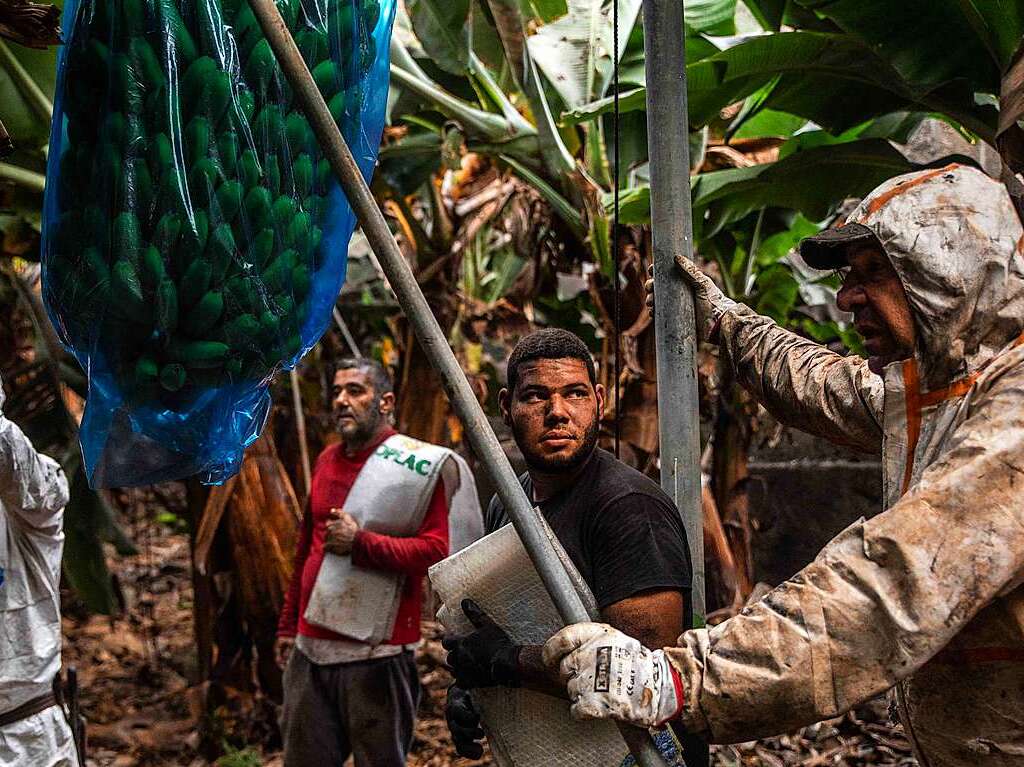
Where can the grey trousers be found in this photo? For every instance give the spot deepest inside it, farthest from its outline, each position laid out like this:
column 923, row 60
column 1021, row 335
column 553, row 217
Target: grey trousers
column 366, row 709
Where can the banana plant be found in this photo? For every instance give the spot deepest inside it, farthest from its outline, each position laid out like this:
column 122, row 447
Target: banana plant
column 27, row 78
column 509, row 69
column 36, row 402
column 839, row 64
column 31, row 25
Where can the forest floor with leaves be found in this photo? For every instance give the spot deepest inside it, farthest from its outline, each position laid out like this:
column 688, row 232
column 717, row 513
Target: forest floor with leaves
column 134, row 670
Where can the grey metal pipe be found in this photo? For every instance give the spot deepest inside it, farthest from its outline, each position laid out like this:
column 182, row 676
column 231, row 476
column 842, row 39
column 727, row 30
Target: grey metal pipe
column 526, row 519
column 353, row 347
column 672, row 230
column 668, row 145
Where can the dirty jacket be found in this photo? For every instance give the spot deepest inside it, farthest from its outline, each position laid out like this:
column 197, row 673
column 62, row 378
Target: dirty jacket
column 926, row 597
column 33, row 491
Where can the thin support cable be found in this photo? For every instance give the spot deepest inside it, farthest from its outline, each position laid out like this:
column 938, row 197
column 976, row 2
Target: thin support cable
column 617, row 307
column 353, row 347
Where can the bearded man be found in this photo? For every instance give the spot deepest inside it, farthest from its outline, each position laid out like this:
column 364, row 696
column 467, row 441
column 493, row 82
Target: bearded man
column 620, row 530
column 926, row 598
column 376, row 519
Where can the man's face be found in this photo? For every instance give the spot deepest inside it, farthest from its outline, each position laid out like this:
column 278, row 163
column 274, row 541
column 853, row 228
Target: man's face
column 359, row 413
column 554, row 413
column 872, row 290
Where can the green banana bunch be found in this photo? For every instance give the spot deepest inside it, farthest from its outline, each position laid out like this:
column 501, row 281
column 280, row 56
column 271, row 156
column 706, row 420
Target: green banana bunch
column 191, row 190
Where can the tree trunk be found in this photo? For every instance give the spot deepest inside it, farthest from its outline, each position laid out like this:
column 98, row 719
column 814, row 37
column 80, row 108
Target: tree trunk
column 196, row 495
column 729, row 477
column 243, row 547
column 34, row 25
column 422, row 406
column 721, row 587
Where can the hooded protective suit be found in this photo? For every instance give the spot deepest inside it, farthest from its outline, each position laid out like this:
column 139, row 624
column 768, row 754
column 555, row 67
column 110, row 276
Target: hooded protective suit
column 33, row 491
column 926, row 597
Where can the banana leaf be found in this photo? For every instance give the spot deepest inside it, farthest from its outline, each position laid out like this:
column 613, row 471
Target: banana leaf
column 89, row 522
column 834, row 80
column 442, row 28
column 575, row 51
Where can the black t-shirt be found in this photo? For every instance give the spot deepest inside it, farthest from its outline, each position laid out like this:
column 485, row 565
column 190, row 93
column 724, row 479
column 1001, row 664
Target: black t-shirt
column 620, row 529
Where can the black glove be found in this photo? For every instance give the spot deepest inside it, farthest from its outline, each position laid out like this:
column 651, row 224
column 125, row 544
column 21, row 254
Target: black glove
column 485, row 658
column 463, row 723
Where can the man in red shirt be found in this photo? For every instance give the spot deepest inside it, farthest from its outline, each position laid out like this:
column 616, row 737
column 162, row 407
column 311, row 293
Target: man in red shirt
column 343, row 696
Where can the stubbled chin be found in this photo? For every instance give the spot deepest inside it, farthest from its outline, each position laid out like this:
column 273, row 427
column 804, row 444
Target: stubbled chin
column 878, row 363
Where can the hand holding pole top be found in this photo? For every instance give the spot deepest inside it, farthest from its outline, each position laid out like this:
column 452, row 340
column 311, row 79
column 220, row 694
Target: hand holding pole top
column 709, row 302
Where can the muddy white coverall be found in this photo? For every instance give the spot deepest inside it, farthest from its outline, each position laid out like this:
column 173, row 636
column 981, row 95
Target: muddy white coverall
column 926, row 597
column 33, row 491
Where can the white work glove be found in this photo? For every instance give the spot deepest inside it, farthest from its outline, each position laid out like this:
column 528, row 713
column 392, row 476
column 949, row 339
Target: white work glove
column 709, row 302
column 611, row 675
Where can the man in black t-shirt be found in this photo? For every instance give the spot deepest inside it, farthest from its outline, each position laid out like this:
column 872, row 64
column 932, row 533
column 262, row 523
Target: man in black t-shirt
column 618, row 527
column 620, row 530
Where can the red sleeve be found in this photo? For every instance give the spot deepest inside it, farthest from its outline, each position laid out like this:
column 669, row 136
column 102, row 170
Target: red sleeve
column 288, row 622
column 411, row 555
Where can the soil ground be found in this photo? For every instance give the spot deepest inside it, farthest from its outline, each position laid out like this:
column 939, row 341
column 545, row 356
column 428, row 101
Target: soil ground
column 135, row 668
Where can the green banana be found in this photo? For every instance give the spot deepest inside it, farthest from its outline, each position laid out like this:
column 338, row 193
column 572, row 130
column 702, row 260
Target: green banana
column 197, row 139
column 126, row 291
column 153, row 270
column 228, row 149
column 194, row 283
column 167, row 306
column 191, row 190
column 229, row 198
column 220, row 251
column 262, row 248
column 302, row 175
column 192, row 83
column 172, row 376
column 198, row 354
column 204, row 315
column 127, row 237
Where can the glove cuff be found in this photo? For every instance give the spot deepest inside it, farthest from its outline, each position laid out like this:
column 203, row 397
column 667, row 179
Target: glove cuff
column 670, row 706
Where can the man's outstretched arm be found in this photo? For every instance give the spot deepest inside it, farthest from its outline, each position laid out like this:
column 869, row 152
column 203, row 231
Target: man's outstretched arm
column 879, row 601
column 489, row 658
column 655, row 619
column 800, row 382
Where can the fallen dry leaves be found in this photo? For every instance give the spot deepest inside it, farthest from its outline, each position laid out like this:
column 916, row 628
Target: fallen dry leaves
column 143, row 711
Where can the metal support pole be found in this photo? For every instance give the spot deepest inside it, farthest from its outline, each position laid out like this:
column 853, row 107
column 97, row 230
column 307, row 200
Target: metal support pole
column 668, row 142
column 672, row 230
column 526, row 519
column 353, row 347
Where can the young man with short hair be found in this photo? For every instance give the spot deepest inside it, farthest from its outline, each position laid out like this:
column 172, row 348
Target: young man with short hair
column 618, row 527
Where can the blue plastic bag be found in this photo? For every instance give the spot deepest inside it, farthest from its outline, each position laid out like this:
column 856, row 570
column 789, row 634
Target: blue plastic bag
column 194, row 238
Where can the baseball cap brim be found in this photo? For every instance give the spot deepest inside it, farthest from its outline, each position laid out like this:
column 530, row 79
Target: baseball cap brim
column 829, row 249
